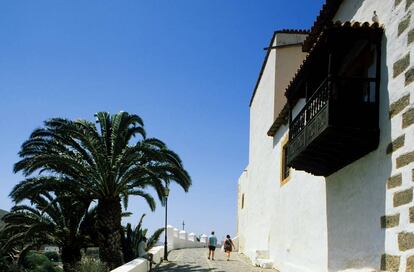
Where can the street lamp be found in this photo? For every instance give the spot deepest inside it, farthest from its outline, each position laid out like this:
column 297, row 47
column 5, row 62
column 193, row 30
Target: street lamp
column 166, row 193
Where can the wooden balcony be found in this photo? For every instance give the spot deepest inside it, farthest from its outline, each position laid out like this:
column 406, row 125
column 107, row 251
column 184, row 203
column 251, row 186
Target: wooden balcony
column 337, row 125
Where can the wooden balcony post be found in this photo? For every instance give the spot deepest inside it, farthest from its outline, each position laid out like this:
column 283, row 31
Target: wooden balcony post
column 290, row 117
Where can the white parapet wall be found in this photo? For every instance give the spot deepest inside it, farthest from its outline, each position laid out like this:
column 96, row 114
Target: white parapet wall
column 137, row 265
column 203, row 238
column 157, row 253
column 141, row 264
column 176, row 240
column 181, row 239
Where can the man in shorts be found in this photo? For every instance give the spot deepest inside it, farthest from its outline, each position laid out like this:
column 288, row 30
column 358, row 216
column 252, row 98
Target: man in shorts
column 211, row 243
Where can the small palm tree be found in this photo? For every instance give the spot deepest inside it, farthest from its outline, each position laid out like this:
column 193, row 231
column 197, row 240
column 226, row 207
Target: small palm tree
column 108, row 163
column 131, row 239
column 54, row 219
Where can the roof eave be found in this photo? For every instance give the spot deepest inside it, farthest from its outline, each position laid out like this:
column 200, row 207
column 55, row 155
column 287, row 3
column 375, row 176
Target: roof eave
column 268, row 50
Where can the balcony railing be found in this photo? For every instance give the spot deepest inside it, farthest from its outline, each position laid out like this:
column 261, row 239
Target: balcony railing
column 340, row 115
column 312, row 107
column 352, row 98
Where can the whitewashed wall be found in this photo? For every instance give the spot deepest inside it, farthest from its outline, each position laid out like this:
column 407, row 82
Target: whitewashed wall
column 287, row 222
column 356, row 195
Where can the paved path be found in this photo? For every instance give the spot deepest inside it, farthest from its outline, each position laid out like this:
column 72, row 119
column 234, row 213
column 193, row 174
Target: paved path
column 195, row 259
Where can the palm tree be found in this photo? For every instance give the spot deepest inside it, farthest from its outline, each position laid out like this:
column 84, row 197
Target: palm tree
column 8, row 253
column 110, row 160
column 55, row 219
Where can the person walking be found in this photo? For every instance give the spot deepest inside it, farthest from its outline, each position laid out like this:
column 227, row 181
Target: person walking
column 228, row 246
column 212, row 244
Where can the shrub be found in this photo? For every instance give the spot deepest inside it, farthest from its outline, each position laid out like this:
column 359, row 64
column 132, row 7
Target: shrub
column 33, row 260
column 52, row 256
column 13, row 268
column 89, row 264
column 92, row 252
column 36, row 262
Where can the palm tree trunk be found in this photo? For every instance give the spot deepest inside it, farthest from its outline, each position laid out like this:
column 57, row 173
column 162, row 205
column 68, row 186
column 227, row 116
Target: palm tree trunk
column 71, row 257
column 109, row 231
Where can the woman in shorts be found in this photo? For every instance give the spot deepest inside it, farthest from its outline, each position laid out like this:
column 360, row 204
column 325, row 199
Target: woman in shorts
column 228, row 246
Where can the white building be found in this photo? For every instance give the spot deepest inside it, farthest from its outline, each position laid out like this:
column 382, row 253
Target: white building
column 329, row 184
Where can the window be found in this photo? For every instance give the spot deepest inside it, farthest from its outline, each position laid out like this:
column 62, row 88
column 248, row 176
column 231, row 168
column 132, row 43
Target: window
column 242, row 201
column 284, row 169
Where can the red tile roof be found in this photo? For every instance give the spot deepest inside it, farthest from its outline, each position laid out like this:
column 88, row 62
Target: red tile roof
column 325, row 16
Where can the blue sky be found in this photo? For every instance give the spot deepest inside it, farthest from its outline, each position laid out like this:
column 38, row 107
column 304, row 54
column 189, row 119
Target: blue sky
column 187, row 67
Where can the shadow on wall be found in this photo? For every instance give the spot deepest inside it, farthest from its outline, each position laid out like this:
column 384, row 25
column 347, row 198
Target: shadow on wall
column 280, row 135
column 356, row 198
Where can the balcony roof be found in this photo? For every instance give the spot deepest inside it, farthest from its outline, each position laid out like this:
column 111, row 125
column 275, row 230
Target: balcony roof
column 291, row 91
column 282, row 119
column 325, row 16
column 320, row 46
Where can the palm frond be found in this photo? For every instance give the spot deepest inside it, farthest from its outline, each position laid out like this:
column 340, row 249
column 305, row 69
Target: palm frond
column 155, row 237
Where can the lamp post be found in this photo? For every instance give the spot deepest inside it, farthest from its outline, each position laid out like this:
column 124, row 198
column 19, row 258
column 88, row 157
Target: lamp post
column 166, row 193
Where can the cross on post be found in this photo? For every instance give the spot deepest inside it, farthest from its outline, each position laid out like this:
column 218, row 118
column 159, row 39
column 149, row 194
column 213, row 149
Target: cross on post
column 183, row 224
